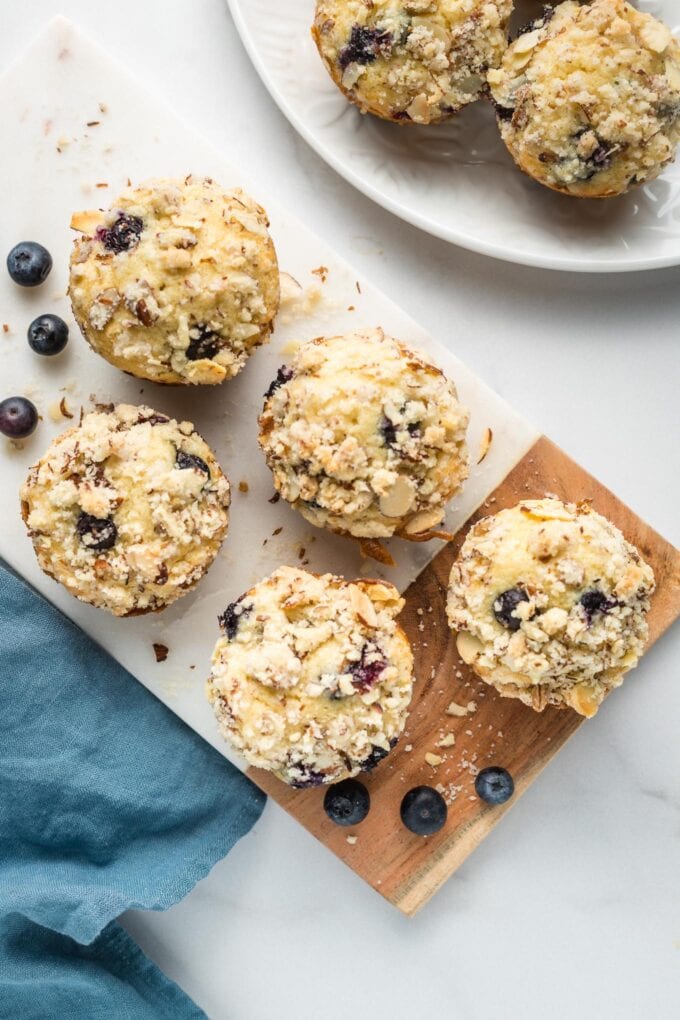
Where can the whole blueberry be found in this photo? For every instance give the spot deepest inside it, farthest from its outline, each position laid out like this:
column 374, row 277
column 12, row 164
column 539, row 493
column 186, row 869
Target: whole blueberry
column 48, row 334
column 18, row 417
column 347, row 803
column 29, row 263
column 505, row 605
column 423, row 810
column 495, row 785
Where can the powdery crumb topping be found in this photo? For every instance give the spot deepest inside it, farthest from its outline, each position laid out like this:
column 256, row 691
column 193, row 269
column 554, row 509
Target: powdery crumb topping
column 186, row 290
column 588, row 99
column 580, row 622
column 413, row 61
column 313, row 676
column 365, row 437
column 127, row 510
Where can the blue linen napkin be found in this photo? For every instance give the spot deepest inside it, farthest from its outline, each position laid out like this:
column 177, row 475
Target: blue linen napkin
column 107, row 801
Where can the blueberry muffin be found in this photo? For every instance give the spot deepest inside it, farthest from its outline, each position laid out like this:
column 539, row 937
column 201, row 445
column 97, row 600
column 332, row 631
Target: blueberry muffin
column 177, row 282
column 313, row 676
column 411, row 61
column 365, row 437
column 549, row 601
column 127, row 510
column 588, row 98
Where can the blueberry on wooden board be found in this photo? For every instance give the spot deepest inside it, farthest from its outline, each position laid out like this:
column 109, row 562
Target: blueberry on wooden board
column 347, row 803
column 423, row 811
column 494, row 785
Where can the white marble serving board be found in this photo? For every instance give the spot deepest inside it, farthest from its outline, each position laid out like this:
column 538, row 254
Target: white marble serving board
column 74, row 126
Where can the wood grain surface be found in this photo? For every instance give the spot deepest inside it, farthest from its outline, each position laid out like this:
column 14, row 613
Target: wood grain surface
column 408, row 869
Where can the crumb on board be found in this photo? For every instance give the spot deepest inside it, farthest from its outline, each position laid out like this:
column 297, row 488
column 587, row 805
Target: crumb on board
column 433, row 759
column 457, row 710
column 243, row 486
column 160, row 651
column 5, row 327
column 275, row 498
column 352, row 840
column 321, row 272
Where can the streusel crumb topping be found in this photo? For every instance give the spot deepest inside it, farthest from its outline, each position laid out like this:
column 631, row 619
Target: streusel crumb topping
column 313, row 676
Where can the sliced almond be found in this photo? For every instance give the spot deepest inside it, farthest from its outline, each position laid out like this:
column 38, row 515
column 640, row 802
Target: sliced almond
column 175, row 258
column 424, row 520
column 550, row 511
column 447, row 741
column 362, row 606
column 655, row 35
column 419, row 109
column 398, row 500
column 86, row 222
column 583, row 700
column 520, row 60
column 527, row 42
column 673, row 74
column 468, row 647
column 485, row 445
column 380, row 591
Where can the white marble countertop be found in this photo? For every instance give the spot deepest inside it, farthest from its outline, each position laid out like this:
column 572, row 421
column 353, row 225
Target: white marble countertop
column 572, row 906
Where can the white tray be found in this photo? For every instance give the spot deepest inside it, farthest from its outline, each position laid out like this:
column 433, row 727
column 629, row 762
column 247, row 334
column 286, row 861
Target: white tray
column 72, row 82
column 456, row 180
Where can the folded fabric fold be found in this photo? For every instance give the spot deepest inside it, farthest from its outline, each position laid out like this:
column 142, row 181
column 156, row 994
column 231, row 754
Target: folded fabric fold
column 107, row 801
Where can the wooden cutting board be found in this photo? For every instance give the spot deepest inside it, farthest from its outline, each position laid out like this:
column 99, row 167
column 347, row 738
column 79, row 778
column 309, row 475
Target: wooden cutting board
column 407, row 869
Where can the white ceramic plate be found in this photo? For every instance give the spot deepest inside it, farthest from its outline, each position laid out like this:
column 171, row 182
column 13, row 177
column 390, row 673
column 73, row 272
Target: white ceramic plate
column 457, row 181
